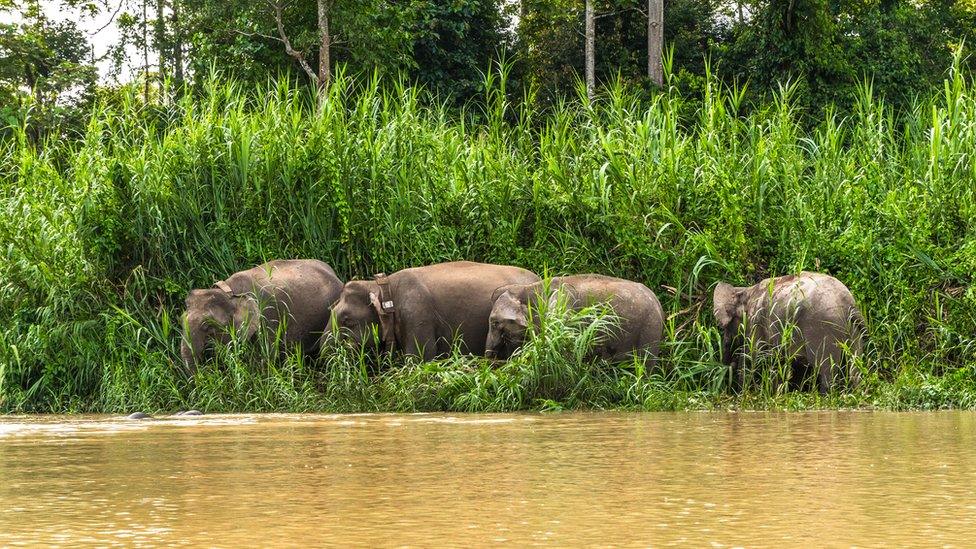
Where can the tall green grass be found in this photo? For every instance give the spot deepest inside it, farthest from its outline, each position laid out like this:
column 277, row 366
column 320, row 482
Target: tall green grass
column 103, row 235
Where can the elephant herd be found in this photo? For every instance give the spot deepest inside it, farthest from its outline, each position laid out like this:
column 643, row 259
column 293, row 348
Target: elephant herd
column 486, row 310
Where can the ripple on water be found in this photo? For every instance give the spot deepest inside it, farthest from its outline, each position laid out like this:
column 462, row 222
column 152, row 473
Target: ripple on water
column 113, row 425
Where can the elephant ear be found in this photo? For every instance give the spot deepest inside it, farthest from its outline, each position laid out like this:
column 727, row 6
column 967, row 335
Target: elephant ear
column 374, row 302
column 724, row 303
column 565, row 292
column 518, row 307
column 501, row 290
column 247, row 316
column 387, row 323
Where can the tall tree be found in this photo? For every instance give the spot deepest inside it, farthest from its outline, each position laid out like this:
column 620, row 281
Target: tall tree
column 278, row 8
column 590, row 50
column 145, row 49
column 255, row 39
column 45, row 69
column 160, row 39
column 655, row 41
column 177, row 25
column 454, row 43
column 325, row 44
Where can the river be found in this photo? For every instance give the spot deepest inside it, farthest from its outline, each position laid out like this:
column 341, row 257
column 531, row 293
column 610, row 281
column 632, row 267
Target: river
column 582, row 479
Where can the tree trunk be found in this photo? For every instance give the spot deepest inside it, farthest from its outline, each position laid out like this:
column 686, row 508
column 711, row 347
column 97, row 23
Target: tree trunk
column 145, row 50
column 655, row 41
column 177, row 47
column 590, row 51
column 325, row 39
column 160, row 40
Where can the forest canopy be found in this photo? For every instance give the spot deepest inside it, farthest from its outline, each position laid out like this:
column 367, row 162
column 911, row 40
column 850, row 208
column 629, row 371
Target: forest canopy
column 824, row 48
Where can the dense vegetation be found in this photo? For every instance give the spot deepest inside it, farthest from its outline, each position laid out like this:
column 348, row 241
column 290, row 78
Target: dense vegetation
column 104, row 233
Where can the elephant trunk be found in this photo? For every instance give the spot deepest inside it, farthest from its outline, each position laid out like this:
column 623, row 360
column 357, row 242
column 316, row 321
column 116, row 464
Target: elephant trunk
column 191, row 348
column 730, row 344
column 327, row 337
column 493, row 344
column 189, row 360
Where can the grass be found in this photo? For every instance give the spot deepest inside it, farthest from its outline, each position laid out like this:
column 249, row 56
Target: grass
column 104, row 232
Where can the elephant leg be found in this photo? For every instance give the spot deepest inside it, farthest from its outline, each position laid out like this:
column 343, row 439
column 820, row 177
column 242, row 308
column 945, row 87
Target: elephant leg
column 741, row 368
column 421, row 342
column 652, row 353
column 826, row 358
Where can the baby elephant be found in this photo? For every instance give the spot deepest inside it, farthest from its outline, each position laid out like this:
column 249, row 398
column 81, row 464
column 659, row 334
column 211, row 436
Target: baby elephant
column 641, row 319
column 810, row 316
column 298, row 290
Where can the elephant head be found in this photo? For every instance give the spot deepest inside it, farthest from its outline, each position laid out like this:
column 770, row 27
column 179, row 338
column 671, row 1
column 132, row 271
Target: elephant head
column 510, row 317
column 211, row 315
column 507, row 324
column 729, row 310
column 356, row 315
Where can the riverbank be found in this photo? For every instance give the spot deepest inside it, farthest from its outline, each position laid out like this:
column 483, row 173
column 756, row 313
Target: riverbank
column 471, row 385
column 104, row 234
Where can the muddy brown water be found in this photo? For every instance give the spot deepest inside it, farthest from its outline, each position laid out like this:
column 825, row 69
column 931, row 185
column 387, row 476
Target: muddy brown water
column 586, row 479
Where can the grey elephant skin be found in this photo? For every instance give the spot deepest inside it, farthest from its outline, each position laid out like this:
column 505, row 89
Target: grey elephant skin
column 810, row 316
column 638, row 311
column 420, row 311
column 298, row 291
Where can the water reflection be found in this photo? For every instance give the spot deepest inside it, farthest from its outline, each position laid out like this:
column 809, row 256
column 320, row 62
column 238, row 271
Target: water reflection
column 571, row 479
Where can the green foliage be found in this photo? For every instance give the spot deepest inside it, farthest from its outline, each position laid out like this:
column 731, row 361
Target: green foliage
column 103, row 237
column 454, row 42
column 826, row 48
column 829, row 46
column 45, row 69
column 444, row 46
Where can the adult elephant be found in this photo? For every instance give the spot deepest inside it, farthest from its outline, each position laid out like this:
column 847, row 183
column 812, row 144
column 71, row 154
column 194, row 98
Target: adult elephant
column 639, row 314
column 810, row 317
column 298, row 292
column 422, row 310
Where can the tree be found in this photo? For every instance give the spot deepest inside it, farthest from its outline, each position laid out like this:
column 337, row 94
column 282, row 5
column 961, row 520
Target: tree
column 320, row 79
column 550, row 45
column 255, row 39
column 325, row 44
column 552, row 39
column 655, row 41
column 590, row 50
column 44, row 66
column 454, row 42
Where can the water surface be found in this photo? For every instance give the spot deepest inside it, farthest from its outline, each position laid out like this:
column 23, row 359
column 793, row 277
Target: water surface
column 698, row 479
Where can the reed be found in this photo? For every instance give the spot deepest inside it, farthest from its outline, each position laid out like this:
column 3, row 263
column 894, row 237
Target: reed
column 104, row 234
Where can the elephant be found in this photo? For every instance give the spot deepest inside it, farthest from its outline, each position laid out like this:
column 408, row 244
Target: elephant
column 812, row 317
column 297, row 290
column 421, row 310
column 639, row 313
column 188, row 413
